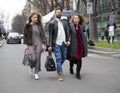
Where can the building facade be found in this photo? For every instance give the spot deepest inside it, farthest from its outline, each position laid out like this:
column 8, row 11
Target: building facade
column 104, row 8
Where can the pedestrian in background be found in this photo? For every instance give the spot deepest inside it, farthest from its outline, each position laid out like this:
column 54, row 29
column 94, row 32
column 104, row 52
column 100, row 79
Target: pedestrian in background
column 106, row 33
column 111, row 37
column 118, row 33
column 34, row 40
column 78, row 46
column 102, row 34
column 58, row 40
column 88, row 34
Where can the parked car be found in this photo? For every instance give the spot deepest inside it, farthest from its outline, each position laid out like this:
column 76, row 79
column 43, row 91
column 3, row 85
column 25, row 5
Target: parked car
column 13, row 37
column 22, row 35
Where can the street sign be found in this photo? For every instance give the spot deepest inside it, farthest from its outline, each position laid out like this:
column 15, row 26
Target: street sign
column 89, row 8
column 111, row 18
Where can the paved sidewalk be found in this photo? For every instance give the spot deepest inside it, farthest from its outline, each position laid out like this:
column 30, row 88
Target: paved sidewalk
column 104, row 51
column 2, row 42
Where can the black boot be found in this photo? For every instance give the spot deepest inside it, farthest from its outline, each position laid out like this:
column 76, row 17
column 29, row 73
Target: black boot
column 78, row 68
column 78, row 76
column 71, row 67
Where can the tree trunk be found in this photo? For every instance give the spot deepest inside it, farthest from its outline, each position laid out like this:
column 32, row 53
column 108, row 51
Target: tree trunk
column 78, row 5
column 42, row 2
column 52, row 5
column 85, row 2
column 113, row 4
column 59, row 3
column 119, row 3
column 93, row 23
column 67, row 4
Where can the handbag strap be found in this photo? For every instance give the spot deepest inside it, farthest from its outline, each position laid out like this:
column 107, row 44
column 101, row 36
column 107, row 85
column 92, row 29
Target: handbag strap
column 50, row 53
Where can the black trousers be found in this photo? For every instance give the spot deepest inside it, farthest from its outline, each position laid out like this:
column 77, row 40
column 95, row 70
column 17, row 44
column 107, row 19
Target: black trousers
column 78, row 62
column 111, row 38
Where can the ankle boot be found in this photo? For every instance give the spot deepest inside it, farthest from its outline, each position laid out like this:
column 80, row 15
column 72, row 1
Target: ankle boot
column 78, row 68
column 78, row 76
column 71, row 67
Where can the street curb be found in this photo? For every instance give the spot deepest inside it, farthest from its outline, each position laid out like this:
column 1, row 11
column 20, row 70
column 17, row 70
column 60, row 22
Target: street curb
column 2, row 42
column 104, row 51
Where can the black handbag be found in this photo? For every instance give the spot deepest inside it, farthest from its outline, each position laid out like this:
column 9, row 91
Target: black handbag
column 50, row 63
column 27, row 59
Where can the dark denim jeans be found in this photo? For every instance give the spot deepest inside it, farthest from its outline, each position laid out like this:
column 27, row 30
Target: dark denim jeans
column 60, row 54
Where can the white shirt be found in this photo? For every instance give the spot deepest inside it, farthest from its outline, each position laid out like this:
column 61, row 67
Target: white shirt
column 61, row 33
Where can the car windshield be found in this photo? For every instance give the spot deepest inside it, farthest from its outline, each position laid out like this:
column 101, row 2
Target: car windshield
column 13, row 34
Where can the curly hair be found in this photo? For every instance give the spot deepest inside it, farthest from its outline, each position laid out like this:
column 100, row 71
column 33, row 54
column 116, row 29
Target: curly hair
column 83, row 20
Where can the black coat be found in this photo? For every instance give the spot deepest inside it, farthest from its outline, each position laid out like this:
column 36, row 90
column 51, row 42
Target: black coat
column 28, row 34
column 53, row 31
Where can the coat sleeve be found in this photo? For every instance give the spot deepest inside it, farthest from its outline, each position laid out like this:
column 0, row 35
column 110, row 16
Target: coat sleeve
column 51, row 30
column 25, row 40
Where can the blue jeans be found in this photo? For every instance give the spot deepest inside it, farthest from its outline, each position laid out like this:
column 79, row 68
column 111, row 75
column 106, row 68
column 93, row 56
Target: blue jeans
column 60, row 54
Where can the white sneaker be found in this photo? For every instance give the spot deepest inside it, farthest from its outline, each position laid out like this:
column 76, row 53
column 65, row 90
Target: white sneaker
column 36, row 77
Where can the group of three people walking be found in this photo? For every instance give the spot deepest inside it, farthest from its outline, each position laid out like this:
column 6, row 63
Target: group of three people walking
column 62, row 37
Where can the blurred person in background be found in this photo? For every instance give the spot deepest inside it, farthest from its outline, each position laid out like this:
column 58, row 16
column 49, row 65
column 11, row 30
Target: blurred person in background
column 118, row 33
column 111, row 37
column 106, row 33
column 102, row 34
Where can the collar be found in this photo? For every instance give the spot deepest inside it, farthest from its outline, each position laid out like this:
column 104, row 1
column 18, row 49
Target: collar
column 58, row 19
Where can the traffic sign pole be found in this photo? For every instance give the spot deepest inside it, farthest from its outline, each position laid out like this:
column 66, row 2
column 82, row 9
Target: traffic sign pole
column 89, row 12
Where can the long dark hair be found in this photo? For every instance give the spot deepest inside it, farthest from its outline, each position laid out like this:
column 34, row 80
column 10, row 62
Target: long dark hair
column 39, row 17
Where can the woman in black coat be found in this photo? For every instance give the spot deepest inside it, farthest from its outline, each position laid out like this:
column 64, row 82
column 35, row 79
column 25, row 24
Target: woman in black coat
column 78, row 47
